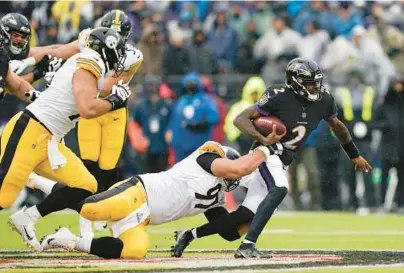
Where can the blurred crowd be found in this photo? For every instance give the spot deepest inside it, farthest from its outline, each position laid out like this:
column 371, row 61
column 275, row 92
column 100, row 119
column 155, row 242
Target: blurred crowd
column 205, row 61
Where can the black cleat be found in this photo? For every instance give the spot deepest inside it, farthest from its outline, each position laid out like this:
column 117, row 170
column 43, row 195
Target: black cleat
column 182, row 240
column 250, row 251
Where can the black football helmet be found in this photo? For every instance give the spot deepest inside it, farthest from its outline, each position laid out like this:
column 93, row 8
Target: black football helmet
column 111, row 47
column 232, row 154
column 15, row 33
column 118, row 20
column 305, row 78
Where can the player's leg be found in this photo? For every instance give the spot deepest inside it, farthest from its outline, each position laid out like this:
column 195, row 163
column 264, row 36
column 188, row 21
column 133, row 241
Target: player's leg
column 309, row 159
column 294, row 181
column 89, row 142
column 274, row 176
column 112, row 142
column 79, row 185
column 23, row 146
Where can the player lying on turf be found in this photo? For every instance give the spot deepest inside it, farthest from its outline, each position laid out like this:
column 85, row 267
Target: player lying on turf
column 192, row 186
column 300, row 104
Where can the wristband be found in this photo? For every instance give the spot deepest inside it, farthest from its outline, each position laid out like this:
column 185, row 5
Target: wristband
column 265, row 149
column 38, row 73
column 351, row 150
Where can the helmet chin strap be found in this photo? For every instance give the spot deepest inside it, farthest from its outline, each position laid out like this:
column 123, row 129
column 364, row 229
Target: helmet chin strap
column 310, row 97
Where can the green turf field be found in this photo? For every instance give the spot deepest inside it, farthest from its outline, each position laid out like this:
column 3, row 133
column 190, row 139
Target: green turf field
column 287, row 231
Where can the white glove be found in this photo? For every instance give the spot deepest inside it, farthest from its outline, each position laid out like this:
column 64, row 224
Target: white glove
column 49, row 76
column 32, row 94
column 119, row 95
column 54, row 64
column 19, row 66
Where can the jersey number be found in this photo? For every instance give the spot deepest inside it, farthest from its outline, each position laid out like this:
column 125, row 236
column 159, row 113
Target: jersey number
column 278, row 90
column 211, row 198
column 301, row 132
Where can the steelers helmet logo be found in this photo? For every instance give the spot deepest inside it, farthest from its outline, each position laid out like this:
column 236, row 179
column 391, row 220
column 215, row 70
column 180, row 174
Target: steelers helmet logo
column 111, row 41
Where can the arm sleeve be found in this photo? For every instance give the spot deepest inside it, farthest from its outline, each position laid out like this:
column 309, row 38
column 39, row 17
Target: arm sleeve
column 205, row 161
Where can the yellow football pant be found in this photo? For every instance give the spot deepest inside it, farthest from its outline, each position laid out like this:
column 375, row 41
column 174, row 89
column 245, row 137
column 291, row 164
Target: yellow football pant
column 24, row 149
column 119, row 201
column 101, row 139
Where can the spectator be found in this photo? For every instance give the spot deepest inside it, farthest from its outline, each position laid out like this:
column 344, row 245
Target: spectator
column 176, row 57
column 252, row 91
column 201, row 55
column 262, row 17
column 356, row 100
column 246, row 62
column 277, row 41
column 153, row 52
column 252, row 35
column 371, row 56
column 306, row 157
column 314, row 43
column 218, row 131
column 238, row 19
column 51, row 34
column 224, row 40
column 184, row 26
column 347, row 18
column 313, row 11
column 193, row 118
column 389, row 119
column 153, row 115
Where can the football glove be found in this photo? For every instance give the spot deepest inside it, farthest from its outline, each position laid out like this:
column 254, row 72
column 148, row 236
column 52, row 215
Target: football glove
column 276, row 149
column 19, row 66
column 32, row 95
column 54, row 64
column 119, row 95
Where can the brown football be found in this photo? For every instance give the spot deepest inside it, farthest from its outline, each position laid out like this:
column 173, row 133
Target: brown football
column 264, row 125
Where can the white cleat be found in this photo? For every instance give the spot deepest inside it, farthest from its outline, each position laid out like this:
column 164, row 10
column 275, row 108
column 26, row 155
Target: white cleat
column 22, row 223
column 31, row 181
column 62, row 238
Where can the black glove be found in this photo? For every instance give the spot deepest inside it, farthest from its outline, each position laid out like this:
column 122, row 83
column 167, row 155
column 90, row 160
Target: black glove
column 32, row 95
column 119, row 95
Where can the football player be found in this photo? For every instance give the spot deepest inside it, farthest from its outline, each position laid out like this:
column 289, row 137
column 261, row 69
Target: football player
column 301, row 103
column 101, row 139
column 15, row 34
column 192, row 186
column 31, row 140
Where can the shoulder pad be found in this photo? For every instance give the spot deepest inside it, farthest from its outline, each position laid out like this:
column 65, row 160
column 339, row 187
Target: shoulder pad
column 134, row 58
column 83, row 35
column 212, row 147
column 91, row 63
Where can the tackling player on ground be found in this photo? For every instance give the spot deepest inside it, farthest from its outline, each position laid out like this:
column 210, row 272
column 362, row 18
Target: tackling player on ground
column 31, row 140
column 194, row 185
column 300, row 104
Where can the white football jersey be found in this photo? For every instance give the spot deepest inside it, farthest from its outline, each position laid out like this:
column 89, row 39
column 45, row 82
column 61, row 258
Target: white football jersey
column 134, row 56
column 56, row 107
column 184, row 190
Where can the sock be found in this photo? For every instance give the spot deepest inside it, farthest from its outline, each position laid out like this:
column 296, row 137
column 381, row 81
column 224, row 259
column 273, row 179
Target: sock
column 33, row 213
column 265, row 211
column 107, row 247
column 83, row 244
column 57, row 186
column 194, row 233
column 110, row 177
column 95, row 170
column 43, row 184
column 86, row 227
column 63, row 198
column 248, row 242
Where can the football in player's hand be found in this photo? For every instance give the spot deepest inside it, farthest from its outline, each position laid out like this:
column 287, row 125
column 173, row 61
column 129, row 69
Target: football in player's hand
column 264, row 125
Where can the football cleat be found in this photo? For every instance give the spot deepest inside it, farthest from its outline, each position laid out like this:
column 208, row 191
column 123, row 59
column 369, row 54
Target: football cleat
column 182, row 240
column 250, row 251
column 22, row 223
column 62, row 238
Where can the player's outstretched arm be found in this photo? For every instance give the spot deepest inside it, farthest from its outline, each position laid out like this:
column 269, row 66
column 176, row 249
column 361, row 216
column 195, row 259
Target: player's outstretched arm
column 233, row 169
column 342, row 133
column 17, row 86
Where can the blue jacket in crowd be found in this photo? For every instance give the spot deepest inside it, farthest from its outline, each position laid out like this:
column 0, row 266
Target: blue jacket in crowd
column 193, row 117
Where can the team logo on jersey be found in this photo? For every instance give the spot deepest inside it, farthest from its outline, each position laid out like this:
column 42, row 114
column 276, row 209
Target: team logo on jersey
column 300, row 69
column 111, row 42
column 264, row 99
